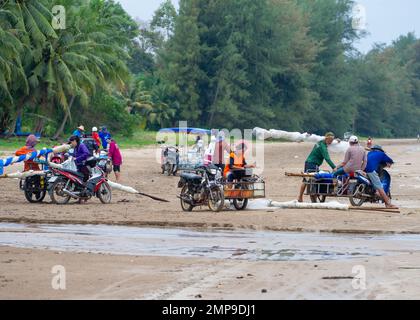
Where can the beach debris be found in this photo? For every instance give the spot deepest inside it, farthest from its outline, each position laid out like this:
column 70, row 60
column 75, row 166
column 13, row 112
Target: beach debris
column 131, row 190
column 337, row 146
column 302, row 205
column 23, row 175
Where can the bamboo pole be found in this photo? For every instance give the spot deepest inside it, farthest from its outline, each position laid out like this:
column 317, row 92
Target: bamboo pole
column 390, row 210
column 300, row 175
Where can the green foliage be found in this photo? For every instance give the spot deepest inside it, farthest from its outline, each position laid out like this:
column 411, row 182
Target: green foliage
column 111, row 111
column 287, row 64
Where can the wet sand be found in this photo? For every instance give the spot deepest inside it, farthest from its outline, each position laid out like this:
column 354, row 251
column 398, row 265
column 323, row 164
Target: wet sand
column 26, row 273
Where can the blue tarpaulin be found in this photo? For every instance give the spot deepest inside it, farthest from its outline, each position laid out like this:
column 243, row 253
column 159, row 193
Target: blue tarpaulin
column 197, row 131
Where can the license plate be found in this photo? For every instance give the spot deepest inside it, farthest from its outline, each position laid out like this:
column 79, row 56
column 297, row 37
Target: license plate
column 52, row 179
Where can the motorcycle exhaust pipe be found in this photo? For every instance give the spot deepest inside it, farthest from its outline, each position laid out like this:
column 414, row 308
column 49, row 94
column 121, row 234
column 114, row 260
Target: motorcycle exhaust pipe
column 187, row 200
column 71, row 194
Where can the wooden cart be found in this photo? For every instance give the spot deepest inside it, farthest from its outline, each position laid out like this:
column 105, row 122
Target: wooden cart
column 249, row 187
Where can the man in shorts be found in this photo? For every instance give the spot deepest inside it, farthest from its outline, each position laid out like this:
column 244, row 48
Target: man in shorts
column 375, row 159
column 114, row 154
column 316, row 158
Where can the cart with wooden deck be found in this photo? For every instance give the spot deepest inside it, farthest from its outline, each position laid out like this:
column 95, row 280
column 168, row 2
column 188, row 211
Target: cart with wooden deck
column 246, row 186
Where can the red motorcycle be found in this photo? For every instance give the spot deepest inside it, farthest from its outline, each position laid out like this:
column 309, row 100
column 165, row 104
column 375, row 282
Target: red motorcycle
column 68, row 183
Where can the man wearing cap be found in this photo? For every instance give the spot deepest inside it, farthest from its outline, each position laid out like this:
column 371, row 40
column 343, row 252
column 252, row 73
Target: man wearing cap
column 104, row 135
column 354, row 160
column 81, row 154
column 29, row 147
column 375, row 159
column 316, row 158
column 79, row 132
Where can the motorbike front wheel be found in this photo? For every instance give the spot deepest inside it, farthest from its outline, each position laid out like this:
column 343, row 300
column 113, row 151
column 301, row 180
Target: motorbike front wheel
column 184, row 204
column 104, row 193
column 56, row 192
column 356, row 202
column 216, row 199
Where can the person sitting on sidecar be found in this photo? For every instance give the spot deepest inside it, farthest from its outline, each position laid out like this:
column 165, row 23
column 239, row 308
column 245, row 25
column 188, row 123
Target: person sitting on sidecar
column 236, row 163
column 354, row 160
column 29, row 147
column 375, row 160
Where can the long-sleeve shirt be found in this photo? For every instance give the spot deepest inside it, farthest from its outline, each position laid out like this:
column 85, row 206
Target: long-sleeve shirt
column 77, row 133
column 319, row 154
column 375, row 158
column 104, row 136
column 30, row 164
column 95, row 136
column 355, row 159
column 81, row 154
column 115, row 154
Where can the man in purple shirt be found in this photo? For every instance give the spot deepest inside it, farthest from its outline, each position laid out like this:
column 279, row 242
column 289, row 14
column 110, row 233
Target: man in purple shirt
column 81, row 154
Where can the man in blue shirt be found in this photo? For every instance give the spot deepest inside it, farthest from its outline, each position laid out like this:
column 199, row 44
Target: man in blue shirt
column 375, row 159
column 104, row 135
column 79, row 132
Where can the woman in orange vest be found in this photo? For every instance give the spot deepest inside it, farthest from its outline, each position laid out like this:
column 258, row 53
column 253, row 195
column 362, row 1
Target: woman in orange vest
column 236, row 163
column 31, row 142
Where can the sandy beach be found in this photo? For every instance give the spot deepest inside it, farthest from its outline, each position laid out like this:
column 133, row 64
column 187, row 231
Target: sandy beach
column 26, row 272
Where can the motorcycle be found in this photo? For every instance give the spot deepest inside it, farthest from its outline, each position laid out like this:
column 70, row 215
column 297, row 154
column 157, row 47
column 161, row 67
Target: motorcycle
column 67, row 183
column 104, row 162
column 201, row 189
column 35, row 187
column 169, row 160
column 362, row 190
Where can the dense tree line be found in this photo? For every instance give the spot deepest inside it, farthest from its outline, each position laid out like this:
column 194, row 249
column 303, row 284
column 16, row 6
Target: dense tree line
column 287, row 64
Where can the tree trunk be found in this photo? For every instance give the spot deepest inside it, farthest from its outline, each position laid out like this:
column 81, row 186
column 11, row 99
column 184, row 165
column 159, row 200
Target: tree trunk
column 18, row 113
column 63, row 123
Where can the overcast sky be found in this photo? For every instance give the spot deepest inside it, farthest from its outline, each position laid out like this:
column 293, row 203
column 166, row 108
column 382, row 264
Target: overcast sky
column 386, row 20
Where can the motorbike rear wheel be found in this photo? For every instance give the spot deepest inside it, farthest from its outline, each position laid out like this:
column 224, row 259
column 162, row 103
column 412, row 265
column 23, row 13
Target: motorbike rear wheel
column 318, row 198
column 56, row 192
column 31, row 183
column 216, row 198
column 241, row 204
column 104, row 193
column 184, row 204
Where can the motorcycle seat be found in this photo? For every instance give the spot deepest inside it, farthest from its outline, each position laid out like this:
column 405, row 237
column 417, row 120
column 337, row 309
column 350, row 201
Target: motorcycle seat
column 76, row 173
column 190, row 176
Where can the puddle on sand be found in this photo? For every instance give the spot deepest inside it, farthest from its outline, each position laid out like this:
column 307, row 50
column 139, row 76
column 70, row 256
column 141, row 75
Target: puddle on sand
column 220, row 244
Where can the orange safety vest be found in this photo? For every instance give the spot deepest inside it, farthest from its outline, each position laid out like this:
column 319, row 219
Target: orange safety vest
column 30, row 164
column 238, row 161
